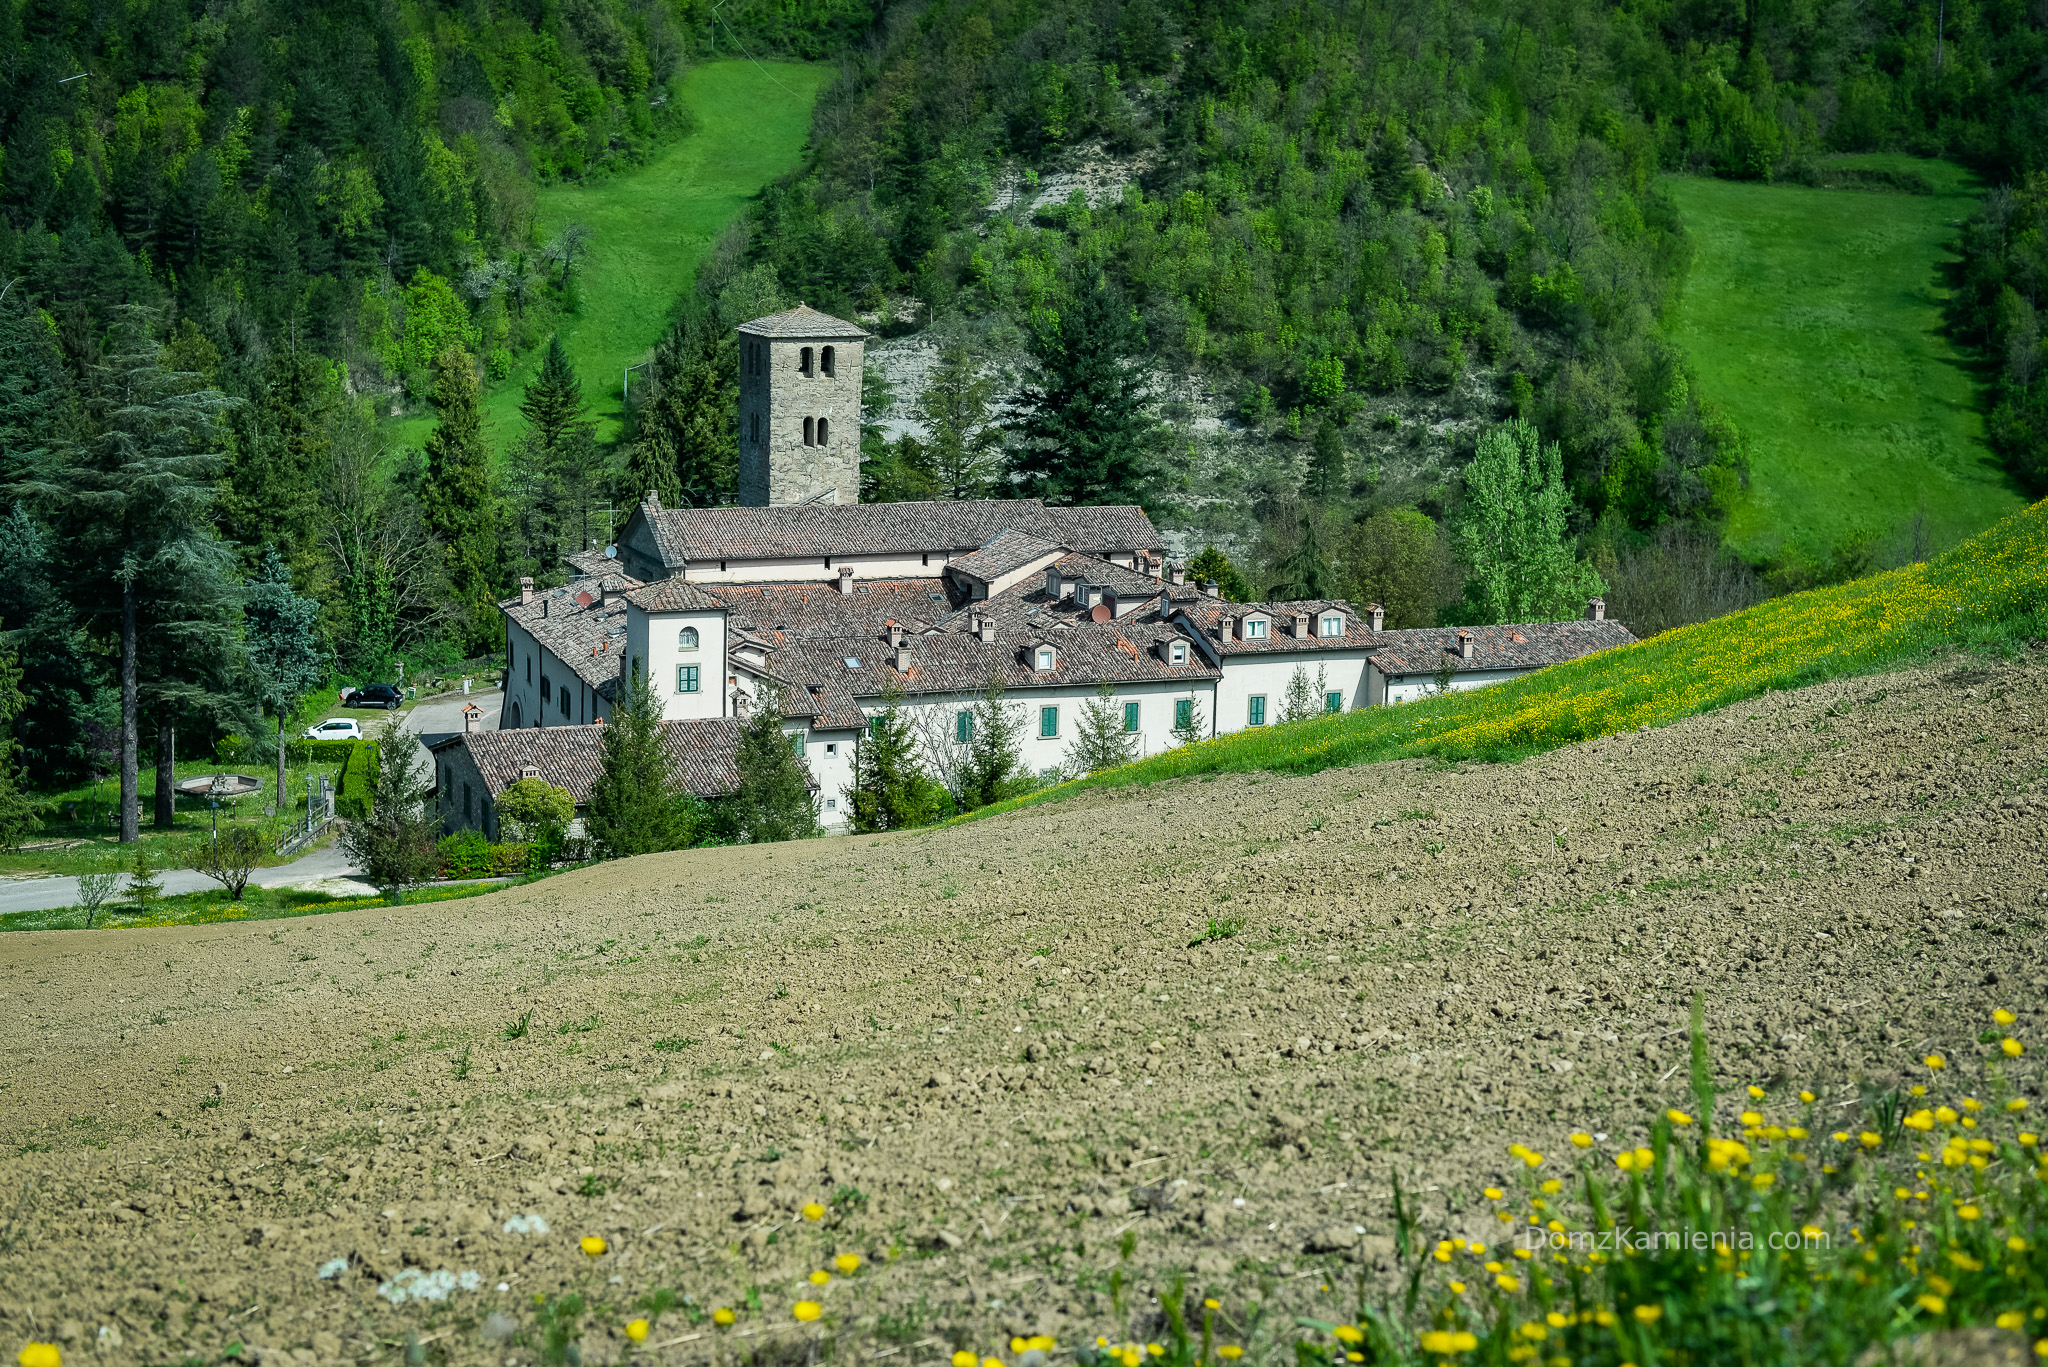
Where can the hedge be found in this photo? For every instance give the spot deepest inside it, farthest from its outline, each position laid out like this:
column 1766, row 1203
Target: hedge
column 357, row 776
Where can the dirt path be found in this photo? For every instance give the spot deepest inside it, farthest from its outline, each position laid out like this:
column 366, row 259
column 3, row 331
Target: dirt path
column 993, row 1053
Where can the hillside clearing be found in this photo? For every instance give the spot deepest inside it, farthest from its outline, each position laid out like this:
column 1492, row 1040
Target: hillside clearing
column 1814, row 319
column 1030, row 1070
column 649, row 229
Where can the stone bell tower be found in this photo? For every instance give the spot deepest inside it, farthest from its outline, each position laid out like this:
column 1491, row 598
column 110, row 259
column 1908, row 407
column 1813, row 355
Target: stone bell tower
column 799, row 409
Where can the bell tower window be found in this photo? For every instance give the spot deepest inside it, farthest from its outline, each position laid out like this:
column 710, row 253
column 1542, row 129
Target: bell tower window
column 803, row 363
column 825, row 361
column 809, row 428
column 824, row 431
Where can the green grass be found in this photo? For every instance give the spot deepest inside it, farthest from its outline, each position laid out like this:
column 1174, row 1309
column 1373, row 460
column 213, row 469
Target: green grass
column 212, row 905
column 1989, row 594
column 651, row 226
column 1814, row 320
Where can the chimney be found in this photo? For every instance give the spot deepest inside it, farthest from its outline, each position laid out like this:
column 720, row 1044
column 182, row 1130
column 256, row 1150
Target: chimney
column 471, row 715
column 1596, row 609
column 1301, row 626
column 530, row 771
column 1209, row 588
column 846, row 580
column 1226, row 627
column 902, row 658
column 1464, row 645
column 1180, row 572
column 604, row 595
column 1055, row 586
column 1378, row 616
column 526, row 590
column 986, row 630
column 1107, row 597
column 895, row 633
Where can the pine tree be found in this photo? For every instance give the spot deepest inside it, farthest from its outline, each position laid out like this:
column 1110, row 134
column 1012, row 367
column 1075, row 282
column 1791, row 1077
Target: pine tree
column 553, row 401
column 1100, row 741
column 688, row 445
column 280, row 633
column 269, row 492
column 1326, row 463
column 1512, row 534
column 1303, row 699
column 1189, row 726
column 1212, row 566
column 774, row 801
column 891, row 790
column 965, row 451
column 1086, row 430
column 459, row 503
column 996, row 749
column 17, row 813
column 396, row 845
column 1303, row 572
column 145, row 882
column 632, row 806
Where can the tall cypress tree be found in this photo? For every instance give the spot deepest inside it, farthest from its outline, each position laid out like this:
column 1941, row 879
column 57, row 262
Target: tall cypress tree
column 1305, row 571
column 774, row 800
column 632, row 810
column 1086, row 426
column 891, row 790
column 688, row 447
column 554, row 400
column 459, row 503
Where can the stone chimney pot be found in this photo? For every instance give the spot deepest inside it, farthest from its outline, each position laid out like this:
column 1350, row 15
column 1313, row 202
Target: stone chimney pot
column 846, row 579
column 1377, row 615
column 1465, row 645
column 1596, row 609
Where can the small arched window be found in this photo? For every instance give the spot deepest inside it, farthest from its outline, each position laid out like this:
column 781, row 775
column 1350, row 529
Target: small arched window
column 804, row 360
column 825, row 360
column 808, row 430
column 688, row 639
column 824, row 431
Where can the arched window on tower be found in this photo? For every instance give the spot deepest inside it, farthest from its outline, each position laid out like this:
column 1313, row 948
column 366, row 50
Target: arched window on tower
column 688, row 638
column 824, row 431
column 807, row 432
column 804, row 361
column 825, row 360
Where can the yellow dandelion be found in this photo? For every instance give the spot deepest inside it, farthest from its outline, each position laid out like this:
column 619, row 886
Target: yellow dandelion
column 1230, row 1352
column 1507, row 1283
column 2012, row 1047
column 1449, row 1341
column 2012, row 1319
column 637, row 1331
column 1677, row 1117
column 2017, row 1244
column 963, row 1358
column 40, row 1355
column 820, row 1277
column 1044, row 1343
column 1016, row 1343
column 814, row 1212
column 807, row 1311
column 1211, row 1303
column 847, row 1263
column 1494, row 1193
column 1936, row 1062
column 2018, row 1103
column 1807, row 1097
column 722, row 1316
column 1967, row 1212
column 1457, row 1288
column 1350, row 1333
column 1648, row 1314
column 2003, row 1016
column 1932, row 1304
column 593, row 1244
column 1581, row 1140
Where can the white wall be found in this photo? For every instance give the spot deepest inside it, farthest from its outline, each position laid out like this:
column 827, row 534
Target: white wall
column 1409, row 687
column 811, row 568
column 1037, row 753
column 1344, row 671
column 830, row 755
column 655, row 637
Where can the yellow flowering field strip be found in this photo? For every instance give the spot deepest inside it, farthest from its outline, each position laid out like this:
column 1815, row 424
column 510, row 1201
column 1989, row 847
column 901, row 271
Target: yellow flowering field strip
column 1987, row 592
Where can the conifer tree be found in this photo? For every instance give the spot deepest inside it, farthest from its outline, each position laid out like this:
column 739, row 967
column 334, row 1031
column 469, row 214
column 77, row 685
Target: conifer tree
column 1190, row 725
column 269, row 491
column 688, row 444
column 774, row 801
column 395, row 843
column 1305, row 571
column 458, row 502
column 1326, row 463
column 891, row 790
column 632, row 807
column 1086, row 428
column 553, row 401
column 17, row 813
column 996, row 749
column 280, row 633
column 965, row 451
column 1100, row 741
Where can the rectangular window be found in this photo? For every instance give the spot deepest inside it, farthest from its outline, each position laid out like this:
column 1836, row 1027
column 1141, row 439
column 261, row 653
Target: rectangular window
column 963, row 727
column 1333, row 626
column 686, row 678
column 1256, row 629
column 796, row 744
column 1333, row 702
column 1048, row 722
column 875, row 725
column 1257, row 713
column 1183, row 713
column 466, row 796
column 1130, row 716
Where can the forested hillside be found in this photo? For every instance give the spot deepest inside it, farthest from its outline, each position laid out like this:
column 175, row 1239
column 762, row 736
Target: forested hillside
column 1349, row 212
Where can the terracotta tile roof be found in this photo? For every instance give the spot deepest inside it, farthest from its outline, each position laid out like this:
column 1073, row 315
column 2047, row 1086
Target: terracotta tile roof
column 1206, row 615
column 1127, row 582
column 1007, row 550
column 576, row 627
column 687, row 535
column 801, row 321
column 776, row 613
column 1527, row 645
column 676, row 595
column 702, row 755
column 594, row 561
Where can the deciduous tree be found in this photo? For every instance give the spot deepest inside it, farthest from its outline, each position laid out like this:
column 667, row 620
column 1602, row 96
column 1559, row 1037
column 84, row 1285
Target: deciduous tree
column 1512, row 533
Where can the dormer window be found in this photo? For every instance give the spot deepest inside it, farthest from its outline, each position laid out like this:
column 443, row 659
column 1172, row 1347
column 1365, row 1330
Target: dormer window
column 1255, row 628
column 688, row 639
column 1048, row 658
column 1333, row 625
column 1179, row 653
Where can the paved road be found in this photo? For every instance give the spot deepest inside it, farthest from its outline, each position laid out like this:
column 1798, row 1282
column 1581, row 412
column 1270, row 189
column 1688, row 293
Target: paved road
column 327, row 868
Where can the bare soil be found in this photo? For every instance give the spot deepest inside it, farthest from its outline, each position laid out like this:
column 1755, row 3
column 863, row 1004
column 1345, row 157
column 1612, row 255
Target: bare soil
column 1196, row 1029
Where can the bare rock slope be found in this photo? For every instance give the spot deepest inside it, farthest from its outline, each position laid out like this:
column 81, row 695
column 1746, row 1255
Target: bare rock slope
column 1198, row 1027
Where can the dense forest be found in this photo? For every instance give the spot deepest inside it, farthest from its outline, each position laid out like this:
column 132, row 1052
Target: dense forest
column 235, row 240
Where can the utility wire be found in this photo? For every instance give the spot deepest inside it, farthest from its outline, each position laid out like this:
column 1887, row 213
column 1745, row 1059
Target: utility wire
column 743, row 47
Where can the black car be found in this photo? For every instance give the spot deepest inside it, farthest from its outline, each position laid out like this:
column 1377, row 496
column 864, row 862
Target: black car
column 376, row 695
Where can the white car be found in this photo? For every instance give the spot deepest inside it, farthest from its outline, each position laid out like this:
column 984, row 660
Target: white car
column 341, row 728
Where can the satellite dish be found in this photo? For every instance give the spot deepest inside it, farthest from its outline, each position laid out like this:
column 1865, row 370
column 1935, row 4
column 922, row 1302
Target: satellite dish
column 611, row 552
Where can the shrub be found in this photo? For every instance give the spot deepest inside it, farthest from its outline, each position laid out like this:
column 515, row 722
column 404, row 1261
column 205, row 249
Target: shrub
column 357, row 777
column 321, row 751
column 470, row 854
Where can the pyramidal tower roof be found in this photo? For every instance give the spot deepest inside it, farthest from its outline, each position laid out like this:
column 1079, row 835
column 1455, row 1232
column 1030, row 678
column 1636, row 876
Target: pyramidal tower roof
column 801, row 321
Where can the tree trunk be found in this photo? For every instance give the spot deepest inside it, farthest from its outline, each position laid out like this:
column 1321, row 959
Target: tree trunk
column 131, row 815
column 166, row 773
column 279, row 796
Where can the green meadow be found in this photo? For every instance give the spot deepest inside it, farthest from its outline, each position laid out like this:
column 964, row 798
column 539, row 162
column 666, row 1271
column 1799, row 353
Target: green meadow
column 650, row 227
column 1814, row 319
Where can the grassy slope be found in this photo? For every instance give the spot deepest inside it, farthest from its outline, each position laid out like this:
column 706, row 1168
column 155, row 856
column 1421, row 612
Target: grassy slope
column 1814, row 319
column 1989, row 592
column 649, row 229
